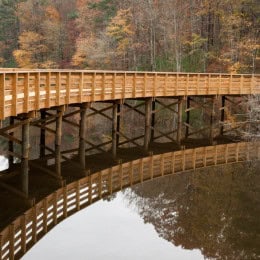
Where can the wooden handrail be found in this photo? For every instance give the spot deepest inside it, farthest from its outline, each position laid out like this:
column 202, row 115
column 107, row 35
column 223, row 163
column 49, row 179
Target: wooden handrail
column 22, row 91
column 17, row 238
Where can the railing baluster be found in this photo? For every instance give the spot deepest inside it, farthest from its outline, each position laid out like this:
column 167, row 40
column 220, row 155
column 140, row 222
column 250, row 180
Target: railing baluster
column 45, row 215
column 93, row 86
column 81, row 80
column 65, row 202
column 55, row 206
column 1, row 246
column 58, row 88
column 110, row 181
column 37, row 91
column 90, row 190
column 48, row 89
column 124, row 87
column 78, row 195
column 2, row 95
column 68, row 86
column 34, row 224
column 145, row 84
column 11, row 241
column 131, row 173
column 151, row 167
column 162, row 164
column 100, row 186
column 23, row 234
column 14, row 94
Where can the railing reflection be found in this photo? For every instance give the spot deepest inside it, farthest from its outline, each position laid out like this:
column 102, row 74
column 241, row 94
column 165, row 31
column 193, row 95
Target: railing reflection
column 26, row 230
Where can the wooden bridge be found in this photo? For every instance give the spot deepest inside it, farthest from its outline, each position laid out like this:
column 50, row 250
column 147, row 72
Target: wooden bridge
column 49, row 99
column 18, row 237
column 25, row 91
column 42, row 98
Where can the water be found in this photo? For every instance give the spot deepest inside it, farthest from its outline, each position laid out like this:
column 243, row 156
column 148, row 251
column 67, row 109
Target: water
column 208, row 214
column 3, row 163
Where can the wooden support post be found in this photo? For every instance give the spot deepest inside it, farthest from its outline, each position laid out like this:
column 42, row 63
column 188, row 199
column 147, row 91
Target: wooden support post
column 42, row 135
column 153, row 119
column 115, row 128
column 148, row 113
column 211, row 129
column 82, row 135
column 222, row 116
column 119, row 110
column 11, row 145
column 25, row 158
column 180, row 103
column 187, row 118
column 58, row 140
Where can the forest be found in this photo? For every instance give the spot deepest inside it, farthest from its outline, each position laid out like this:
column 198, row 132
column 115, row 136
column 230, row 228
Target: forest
column 143, row 35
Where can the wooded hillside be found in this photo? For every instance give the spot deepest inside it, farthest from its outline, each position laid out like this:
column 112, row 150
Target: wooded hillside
column 161, row 35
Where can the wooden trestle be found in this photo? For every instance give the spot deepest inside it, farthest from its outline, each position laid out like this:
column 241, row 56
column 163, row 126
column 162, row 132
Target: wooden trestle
column 49, row 99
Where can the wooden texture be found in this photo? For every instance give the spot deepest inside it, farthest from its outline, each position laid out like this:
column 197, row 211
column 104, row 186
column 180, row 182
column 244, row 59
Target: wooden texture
column 26, row 230
column 24, row 91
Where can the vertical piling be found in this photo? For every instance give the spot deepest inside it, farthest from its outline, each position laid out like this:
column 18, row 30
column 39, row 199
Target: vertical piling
column 153, row 119
column 187, row 118
column 148, row 117
column 42, row 135
column 222, row 116
column 180, row 103
column 11, row 145
column 58, row 140
column 115, row 128
column 212, row 114
column 82, row 135
column 25, row 157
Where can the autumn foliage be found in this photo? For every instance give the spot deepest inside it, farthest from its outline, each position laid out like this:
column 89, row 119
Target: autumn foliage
column 162, row 35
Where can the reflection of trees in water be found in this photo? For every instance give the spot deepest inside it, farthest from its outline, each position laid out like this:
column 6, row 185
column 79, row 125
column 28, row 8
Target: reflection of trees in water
column 215, row 210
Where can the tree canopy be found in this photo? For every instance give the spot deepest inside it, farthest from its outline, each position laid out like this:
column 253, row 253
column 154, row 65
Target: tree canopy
column 161, row 35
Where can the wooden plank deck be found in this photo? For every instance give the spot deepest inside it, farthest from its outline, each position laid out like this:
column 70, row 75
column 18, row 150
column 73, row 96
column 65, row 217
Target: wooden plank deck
column 22, row 91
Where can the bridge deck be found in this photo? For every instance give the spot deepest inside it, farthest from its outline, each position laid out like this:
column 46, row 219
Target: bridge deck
column 23, row 91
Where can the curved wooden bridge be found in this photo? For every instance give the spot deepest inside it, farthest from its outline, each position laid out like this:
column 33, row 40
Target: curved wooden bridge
column 17, row 238
column 45, row 99
column 22, row 91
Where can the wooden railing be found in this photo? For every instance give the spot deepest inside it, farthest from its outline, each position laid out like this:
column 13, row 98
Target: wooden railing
column 26, row 230
column 24, row 91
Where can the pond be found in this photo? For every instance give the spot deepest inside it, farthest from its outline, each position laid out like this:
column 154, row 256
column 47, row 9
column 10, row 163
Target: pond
column 211, row 213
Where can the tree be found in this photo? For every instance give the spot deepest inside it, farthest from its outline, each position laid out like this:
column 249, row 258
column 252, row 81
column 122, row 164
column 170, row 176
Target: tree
column 9, row 31
column 32, row 51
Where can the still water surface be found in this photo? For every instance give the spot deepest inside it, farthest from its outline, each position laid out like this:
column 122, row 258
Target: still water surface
column 208, row 214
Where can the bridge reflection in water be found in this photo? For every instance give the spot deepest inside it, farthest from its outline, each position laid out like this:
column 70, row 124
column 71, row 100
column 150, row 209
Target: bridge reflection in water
column 215, row 210
column 27, row 229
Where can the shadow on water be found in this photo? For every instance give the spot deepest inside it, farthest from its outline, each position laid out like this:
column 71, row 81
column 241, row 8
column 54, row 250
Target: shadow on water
column 215, row 210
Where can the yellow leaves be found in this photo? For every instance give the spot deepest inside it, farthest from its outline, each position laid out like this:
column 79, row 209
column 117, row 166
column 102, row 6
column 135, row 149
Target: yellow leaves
column 237, row 67
column 2, row 61
column 28, row 40
column 120, row 29
column 31, row 49
column 52, row 13
column 49, row 64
